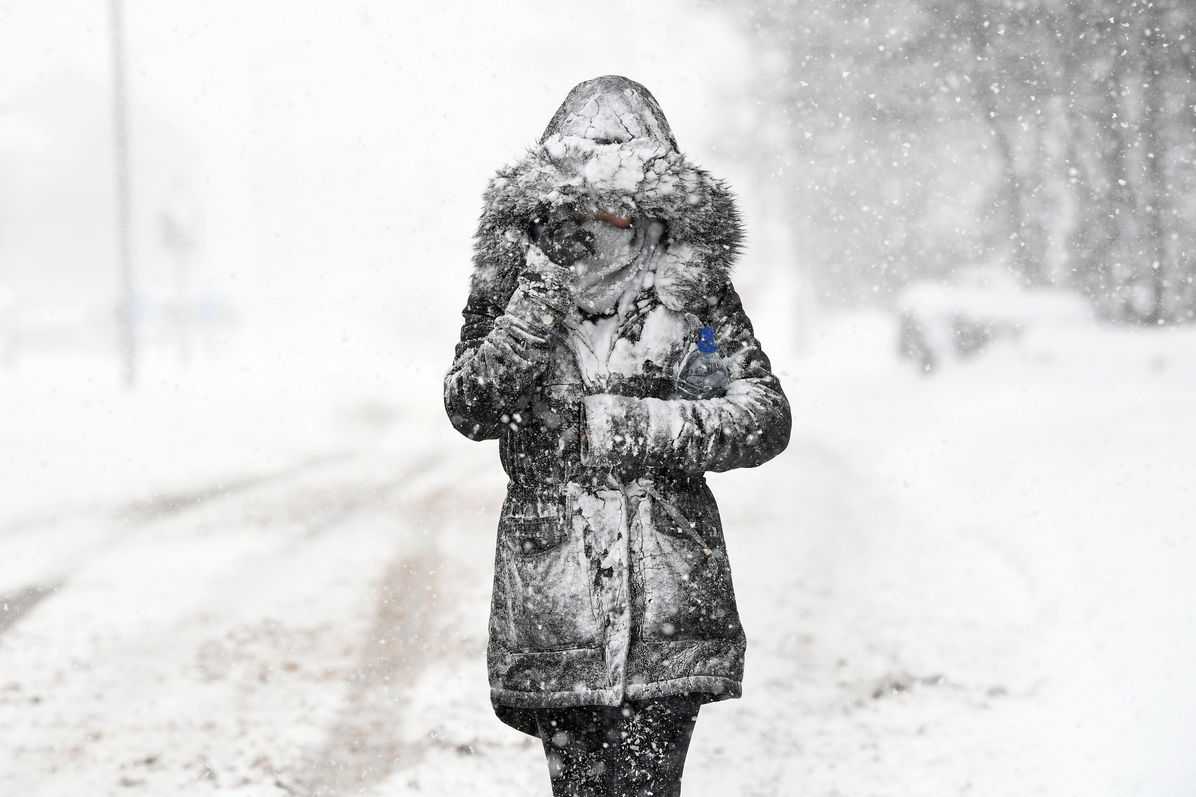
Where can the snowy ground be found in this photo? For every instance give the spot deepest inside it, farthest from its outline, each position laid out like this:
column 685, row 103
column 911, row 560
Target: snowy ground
column 972, row 583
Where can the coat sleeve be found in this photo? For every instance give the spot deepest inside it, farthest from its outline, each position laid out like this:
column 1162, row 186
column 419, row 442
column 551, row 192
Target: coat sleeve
column 748, row 426
column 502, row 350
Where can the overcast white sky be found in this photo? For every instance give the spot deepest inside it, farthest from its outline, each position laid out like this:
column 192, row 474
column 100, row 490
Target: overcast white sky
column 339, row 151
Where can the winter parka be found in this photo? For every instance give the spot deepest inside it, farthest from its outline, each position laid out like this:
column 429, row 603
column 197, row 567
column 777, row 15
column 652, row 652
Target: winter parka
column 611, row 577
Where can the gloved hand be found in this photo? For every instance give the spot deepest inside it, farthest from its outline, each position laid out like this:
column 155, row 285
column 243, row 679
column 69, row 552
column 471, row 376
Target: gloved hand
column 535, row 314
column 562, row 239
column 550, row 283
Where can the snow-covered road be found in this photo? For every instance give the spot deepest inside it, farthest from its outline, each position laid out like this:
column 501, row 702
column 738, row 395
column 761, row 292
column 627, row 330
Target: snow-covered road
column 969, row 585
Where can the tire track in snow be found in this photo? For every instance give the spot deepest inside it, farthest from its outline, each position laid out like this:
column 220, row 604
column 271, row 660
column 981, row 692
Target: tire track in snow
column 408, row 633
column 131, row 517
column 168, row 502
column 16, row 605
column 165, row 504
column 363, row 745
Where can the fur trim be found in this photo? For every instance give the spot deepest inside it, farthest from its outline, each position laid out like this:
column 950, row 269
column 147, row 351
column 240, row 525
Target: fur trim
column 642, row 178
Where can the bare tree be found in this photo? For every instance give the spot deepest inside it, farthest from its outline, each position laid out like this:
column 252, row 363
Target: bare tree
column 1053, row 136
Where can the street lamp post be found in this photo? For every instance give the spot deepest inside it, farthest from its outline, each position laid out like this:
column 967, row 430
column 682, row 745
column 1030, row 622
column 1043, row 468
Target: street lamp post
column 126, row 322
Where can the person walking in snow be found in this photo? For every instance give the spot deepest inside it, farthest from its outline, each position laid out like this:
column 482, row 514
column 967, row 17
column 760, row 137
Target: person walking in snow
column 599, row 258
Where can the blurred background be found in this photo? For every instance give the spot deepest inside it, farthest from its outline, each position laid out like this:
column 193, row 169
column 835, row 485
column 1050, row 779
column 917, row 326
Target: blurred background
column 242, row 550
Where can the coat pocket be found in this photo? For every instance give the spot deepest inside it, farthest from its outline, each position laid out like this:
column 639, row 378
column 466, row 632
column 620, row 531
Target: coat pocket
column 686, row 577
column 547, row 584
column 532, row 536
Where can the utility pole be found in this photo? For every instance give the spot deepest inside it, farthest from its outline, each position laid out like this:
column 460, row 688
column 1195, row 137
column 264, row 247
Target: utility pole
column 126, row 322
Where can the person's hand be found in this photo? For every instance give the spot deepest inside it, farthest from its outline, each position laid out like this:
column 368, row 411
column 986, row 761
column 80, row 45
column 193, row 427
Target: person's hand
column 563, row 240
column 551, row 283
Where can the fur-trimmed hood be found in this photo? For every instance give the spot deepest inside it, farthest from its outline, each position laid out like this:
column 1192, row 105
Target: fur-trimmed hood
column 609, row 148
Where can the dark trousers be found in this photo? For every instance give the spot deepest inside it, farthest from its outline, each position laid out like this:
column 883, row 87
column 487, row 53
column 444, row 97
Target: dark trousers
column 634, row 750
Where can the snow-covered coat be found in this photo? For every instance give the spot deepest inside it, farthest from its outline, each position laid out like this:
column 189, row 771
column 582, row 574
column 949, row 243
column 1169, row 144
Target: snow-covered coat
column 611, row 577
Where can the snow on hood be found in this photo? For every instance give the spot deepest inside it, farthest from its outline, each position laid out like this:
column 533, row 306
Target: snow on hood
column 610, row 110
column 608, row 142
